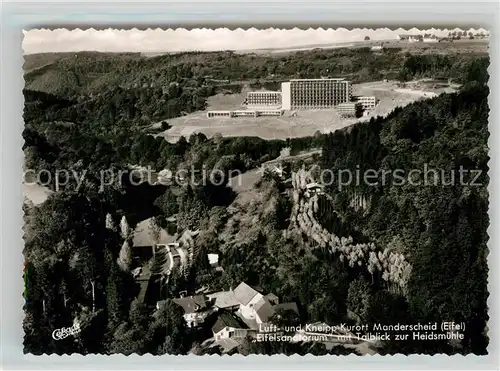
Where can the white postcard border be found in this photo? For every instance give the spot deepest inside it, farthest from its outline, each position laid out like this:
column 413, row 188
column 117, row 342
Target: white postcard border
column 17, row 16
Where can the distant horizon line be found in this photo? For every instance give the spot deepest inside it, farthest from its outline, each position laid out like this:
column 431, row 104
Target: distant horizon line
column 218, row 50
column 284, row 48
column 158, row 41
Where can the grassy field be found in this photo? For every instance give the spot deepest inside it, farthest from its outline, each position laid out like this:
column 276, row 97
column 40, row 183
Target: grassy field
column 457, row 46
column 390, row 94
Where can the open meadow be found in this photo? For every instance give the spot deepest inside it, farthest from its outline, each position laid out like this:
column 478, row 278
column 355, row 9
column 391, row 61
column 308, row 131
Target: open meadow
column 299, row 123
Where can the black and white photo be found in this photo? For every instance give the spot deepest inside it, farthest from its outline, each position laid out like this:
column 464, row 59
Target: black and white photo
column 259, row 191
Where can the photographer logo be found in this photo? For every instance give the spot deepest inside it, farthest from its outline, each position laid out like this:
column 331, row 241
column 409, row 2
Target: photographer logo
column 62, row 333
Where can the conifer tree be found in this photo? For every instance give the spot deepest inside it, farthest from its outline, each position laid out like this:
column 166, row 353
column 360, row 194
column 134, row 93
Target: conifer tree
column 110, row 224
column 124, row 228
column 125, row 258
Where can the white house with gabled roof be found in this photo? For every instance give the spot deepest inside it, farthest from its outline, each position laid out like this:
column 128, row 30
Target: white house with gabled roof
column 248, row 297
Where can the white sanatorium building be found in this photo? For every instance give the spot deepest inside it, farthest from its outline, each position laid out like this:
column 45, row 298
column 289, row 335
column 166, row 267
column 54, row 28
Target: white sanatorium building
column 314, row 93
column 367, row 102
column 301, row 94
column 349, row 109
column 264, row 99
column 245, row 113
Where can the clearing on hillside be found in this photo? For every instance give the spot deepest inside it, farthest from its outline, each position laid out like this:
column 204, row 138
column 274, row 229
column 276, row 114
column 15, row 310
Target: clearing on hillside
column 298, row 123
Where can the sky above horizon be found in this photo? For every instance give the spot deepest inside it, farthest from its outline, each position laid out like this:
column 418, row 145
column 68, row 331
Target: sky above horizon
column 180, row 39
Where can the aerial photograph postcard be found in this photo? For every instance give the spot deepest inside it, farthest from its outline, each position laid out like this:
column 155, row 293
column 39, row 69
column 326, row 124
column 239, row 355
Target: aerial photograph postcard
column 255, row 191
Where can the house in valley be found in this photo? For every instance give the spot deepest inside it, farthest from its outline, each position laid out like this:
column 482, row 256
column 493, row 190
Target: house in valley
column 229, row 331
column 248, row 297
column 155, row 254
column 239, row 312
column 196, row 309
column 213, row 260
column 150, row 241
column 245, row 309
column 224, row 300
column 148, row 237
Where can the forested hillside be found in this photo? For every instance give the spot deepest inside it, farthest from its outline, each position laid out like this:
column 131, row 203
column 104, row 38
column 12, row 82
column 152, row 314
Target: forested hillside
column 441, row 227
column 90, row 74
column 103, row 115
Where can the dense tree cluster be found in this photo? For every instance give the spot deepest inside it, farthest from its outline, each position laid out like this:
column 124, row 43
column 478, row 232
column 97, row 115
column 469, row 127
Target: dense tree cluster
column 186, row 78
column 439, row 226
column 97, row 143
column 391, row 265
column 444, row 67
